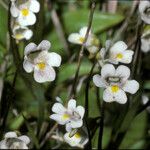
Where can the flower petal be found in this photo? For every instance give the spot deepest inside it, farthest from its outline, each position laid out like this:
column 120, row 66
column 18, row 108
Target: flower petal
column 131, row 86
column 10, row 135
column 81, row 111
column 119, row 96
column 31, row 47
column 34, row 6
column 28, row 67
column 123, row 71
column 48, row 74
column 28, row 34
column 58, row 119
column 25, row 139
column 83, row 31
column 76, row 124
column 75, row 38
column 44, row 45
column 107, row 70
column 118, row 47
column 14, row 10
column 72, row 104
column 68, row 127
column 127, row 57
column 53, row 59
column 58, row 108
column 99, row 81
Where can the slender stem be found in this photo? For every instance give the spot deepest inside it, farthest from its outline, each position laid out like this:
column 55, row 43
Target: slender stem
column 73, row 90
column 101, row 125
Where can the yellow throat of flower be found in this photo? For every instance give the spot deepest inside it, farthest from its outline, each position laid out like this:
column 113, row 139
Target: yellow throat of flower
column 114, row 88
column 25, row 12
column 77, row 135
column 65, row 117
column 41, row 66
column 81, row 39
column 119, row 56
column 18, row 36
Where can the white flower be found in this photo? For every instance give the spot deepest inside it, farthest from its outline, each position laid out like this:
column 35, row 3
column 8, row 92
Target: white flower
column 144, row 9
column 92, row 43
column 116, row 83
column 76, row 139
column 71, row 116
column 20, row 32
column 39, row 60
column 145, row 99
column 145, row 41
column 12, row 141
column 115, row 53
column 25, row 12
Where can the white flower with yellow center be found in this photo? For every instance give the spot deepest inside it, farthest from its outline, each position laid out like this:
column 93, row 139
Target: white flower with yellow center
column 71, row 116
column 20, row 33
column 25, row 12
column 12, row 141
column 115, row 53
column 92, row 43
column 39, row 60
column 144, row 9
column 116, row 83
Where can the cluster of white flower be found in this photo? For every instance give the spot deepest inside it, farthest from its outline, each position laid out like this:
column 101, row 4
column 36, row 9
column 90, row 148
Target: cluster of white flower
column 144, row 9
column 12, row 141
column 92, row 42
column 115, row 81
column 72, row 118
column 23, row 14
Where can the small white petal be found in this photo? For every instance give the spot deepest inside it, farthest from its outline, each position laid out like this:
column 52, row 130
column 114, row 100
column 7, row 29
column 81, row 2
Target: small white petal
column 58, row 119
column 58, row 108
column 99, row 81
column 34, row 6
column 118, row 47
column 48, row 74
column 28, row 34
column 72, row 104
column 72, row 141
column 25, row 139
column 107, row 70
column 28, row 67
column 28, row 20
column 81, row 111
column 92, row 49
column 14, row 10
column 131, row 86
column 127, row 56
column 44, row 45
column 54, row 59
column 68, row 127
column 10, row 135
column 31, row 47
column 83, row 31
column 145, row 45
column 75, row 38
column 3, row 144
column 123, row 71
column 76, row 124
column 119, row 96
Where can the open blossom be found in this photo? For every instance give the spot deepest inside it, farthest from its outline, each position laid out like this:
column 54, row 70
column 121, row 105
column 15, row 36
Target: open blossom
column 38, row 60
column 116, row 83
column 92, row 43
column 144, row 9
column 25, row 12
column 72, row 116
column 116, row 53
column 20, row 32
column 75, row 140
column 12, row 141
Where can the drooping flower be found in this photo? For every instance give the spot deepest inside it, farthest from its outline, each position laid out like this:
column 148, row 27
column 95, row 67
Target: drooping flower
column 144, row 9
column 115, row 53
column 12, row 141
column 145, row 40
column 25, row 12
column 92, row 43
column 116, row 83
column 39, row 60
column 20, row 32
column 72, row 116
column 75, row 140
